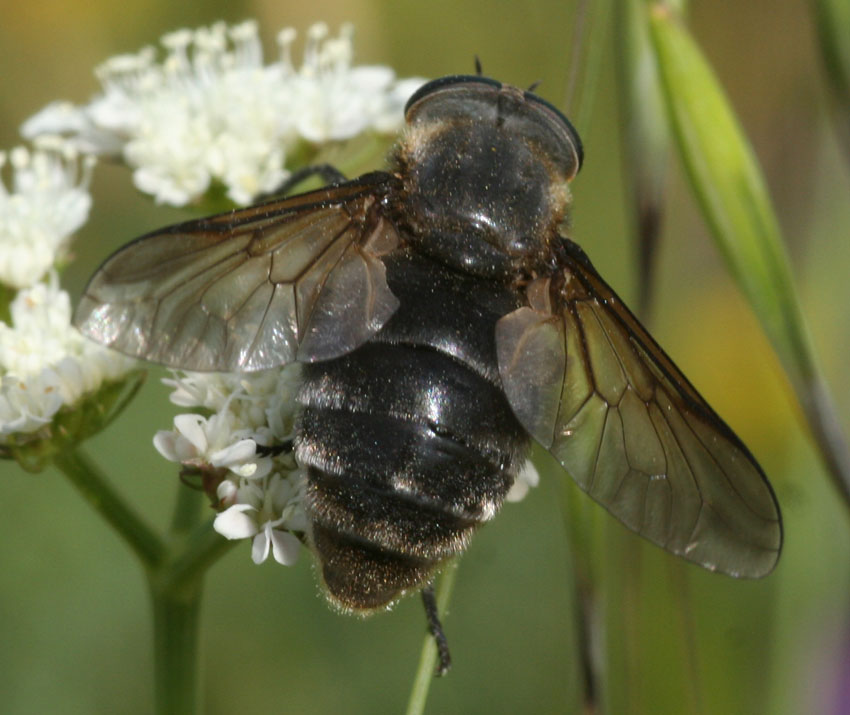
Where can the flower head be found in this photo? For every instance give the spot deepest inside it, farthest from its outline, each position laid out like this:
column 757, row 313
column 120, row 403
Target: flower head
column 45, row 364
column 212, row 111
column 46, row 201
column 255, row 483
column 267, row 512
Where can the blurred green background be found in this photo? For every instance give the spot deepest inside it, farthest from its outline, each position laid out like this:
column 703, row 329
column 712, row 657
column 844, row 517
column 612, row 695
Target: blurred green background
column 74, row 617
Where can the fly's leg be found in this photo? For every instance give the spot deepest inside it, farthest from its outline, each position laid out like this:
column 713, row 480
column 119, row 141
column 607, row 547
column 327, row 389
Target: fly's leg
column 436, row 629
column 327, row 173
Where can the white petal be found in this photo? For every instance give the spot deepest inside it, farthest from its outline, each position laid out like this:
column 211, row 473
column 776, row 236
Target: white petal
column 529, row 474
column 44, row 362
column 244, row 470
column 262, row 468
column 528, row 477
column 56, row 118
column 260, row 547
column 165, row 442
column 190, row 426
column 285, row 547
column 226, row 492
column 235, row 522
column 518, row 491
column 250, row 493
column 242, row 451
column 298, row 520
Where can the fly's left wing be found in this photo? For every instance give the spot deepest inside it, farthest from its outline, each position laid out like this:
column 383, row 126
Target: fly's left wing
column 299, row 278
column 589, row 383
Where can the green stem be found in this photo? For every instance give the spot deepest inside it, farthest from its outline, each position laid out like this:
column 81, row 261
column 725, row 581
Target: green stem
column 187, row 511
column 428, row 658
column 202, row 549
column 175, row 577
column 176, row 588
column 681, row 592
column 86, row 476
column 176, row 616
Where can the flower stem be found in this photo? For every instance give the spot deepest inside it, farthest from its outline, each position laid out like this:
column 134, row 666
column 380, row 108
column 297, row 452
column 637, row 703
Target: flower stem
column 175, row 572
column 86, row 476
column 176, row 588
column 176, row 615
column 202, row 549
column 428, row 658
column 187, row 511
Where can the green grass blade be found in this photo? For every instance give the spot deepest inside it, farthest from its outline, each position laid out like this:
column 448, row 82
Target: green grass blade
column 728, row 184
column 585, row 64
column 832, row 19
column 646, row 137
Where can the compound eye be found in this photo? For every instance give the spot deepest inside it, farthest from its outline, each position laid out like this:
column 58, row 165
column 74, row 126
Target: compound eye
column 469, row 99
column 436, row 85
column 572, row 133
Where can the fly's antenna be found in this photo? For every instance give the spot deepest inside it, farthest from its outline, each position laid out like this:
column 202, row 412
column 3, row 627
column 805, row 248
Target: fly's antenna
column 534, row 85
column 478, row 69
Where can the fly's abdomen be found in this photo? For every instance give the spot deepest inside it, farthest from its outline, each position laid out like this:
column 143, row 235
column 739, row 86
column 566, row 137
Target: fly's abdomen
column 409, row 441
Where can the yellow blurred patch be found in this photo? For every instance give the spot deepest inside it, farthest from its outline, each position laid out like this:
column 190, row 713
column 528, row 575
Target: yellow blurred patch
column 719, row 345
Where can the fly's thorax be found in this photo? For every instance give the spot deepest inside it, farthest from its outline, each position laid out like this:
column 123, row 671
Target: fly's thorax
column 486, row 169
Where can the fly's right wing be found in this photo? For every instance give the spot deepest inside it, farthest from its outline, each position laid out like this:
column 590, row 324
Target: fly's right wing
column 299, row 278
column 592, row 386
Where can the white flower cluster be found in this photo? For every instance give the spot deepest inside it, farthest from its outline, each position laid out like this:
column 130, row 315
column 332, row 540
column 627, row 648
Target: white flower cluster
column 212, row 111
column 46, row 202
column 44, row 362
column 258, row 487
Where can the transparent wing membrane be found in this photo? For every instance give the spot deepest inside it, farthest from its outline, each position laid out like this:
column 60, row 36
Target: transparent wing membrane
column 590, row 384
column 293, row 279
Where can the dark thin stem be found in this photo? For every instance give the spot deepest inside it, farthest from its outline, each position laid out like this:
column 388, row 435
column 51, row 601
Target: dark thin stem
column 86, row 476
column 586, row 625
column 579, row 528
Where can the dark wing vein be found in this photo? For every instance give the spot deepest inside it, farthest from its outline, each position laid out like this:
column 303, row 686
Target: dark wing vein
column 262, row 324
column 325, row 276
column 587, row 380
column 253, row 288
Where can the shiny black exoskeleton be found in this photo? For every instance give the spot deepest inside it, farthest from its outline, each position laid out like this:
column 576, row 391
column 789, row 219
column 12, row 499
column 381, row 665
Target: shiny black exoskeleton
column 409, row 440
